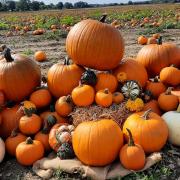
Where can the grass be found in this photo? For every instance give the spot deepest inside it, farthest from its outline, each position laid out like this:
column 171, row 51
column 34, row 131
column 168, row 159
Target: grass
column 166, row 169
column 28, row 52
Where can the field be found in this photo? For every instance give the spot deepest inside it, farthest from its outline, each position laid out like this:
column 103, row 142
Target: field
column 132, row 21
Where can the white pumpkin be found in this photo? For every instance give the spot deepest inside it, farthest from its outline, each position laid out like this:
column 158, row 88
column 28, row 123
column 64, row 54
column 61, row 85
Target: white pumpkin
column 2, row 150
column 172, row 119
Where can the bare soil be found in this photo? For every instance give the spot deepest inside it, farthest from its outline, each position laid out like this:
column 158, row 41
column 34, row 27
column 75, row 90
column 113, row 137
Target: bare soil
column 55, row 50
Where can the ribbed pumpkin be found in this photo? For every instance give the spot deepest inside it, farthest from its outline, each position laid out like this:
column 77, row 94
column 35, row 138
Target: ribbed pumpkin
column 132, row 70
column 106, row 80
column 13, row 141
column 10, row 120
column 19, row 76
column 170, row 76
column 95, row 44
column 148, row 130
column 154, row 106
column 62, row 79
column 101, row 142
column 155, row 57
column 155, row 86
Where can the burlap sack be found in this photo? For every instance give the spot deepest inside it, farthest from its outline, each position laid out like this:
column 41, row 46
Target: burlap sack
column 45, row 167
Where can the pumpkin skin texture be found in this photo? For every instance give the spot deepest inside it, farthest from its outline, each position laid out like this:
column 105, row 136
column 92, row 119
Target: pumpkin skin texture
column 168, row 101
column 30, row 124
column 40, row 56
column 142, row 40
column 62, row 79
column 2, row 99
column 104, row 134
column 154, row 106
column 10, row 120
column 13, row 141
column 117, row 97
column 133, row 71
column 83, row 95
column 105, row 80
column 41, row 98
column 29, row 152
column 154, row 57
column 148, row 130
column 63, row 106
column 156, row 87
column 2, row 150
column 132, row 155
column 19, row 76
column 151, row 40
column 170, row 76
column 156, row 36
column 172, row 119
column 104, row 98
column 83, row 40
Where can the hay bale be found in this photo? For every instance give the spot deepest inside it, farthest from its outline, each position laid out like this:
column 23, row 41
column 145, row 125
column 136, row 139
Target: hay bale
column 117, row 112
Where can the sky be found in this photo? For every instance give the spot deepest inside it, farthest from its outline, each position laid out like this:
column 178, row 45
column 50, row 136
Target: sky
column 88, row 1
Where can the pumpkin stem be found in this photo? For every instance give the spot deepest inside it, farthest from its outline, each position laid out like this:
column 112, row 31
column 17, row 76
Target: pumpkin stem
column 156, row 79
column 160, row 40
column 46, row 128
column 178, row 109
column 51, row 120
column 7, row 55
column 173, row 65
column 168, row 91
column 68, row 99
column 66, row 60
column 131, row 141
column 14, row 132
column 27, row 112
column 106, row 91
column 103, row 18
column 52, row 108
column 146, row 114
column 29, row 140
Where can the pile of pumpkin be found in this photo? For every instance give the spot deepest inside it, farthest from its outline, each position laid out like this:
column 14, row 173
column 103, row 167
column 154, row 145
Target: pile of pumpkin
column 41, row 119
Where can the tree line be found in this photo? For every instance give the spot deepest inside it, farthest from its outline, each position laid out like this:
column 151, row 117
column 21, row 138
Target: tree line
column 28, row 5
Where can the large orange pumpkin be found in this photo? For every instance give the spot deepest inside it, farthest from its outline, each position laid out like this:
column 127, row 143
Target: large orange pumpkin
column 19, row 76
column 154, row 57
column 132, row 70
column 97, row 143
column 95, row 44
column 10, row 120
column 148, row 130
column 62, row 79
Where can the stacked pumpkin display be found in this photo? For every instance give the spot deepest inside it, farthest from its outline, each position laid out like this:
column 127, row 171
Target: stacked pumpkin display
column 43, row 121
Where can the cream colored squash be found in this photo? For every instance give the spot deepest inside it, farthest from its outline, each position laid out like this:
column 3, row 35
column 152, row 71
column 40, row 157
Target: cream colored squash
column 172, row 119
column 2, row 150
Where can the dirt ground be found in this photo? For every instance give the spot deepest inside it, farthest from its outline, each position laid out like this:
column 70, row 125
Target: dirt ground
column 55, row 50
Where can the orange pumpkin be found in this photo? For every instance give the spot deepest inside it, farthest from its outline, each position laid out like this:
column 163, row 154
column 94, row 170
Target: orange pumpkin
column 132, row 155
column 168, row 101
column 19, row 76
column 117, row 97
column 170, row 76
column 41, row 98
column 155, row 57
column 13, row 141
column 104, row 98
column 10, row 120
column 107, row 132
column 151, row 40
column 2, row 98
column 43, row 137
column 62, row 79
column 84, row 38
column 156, row 87
column 148, row 130
column 154, row 106
column 40, row 56
column 142, row 40
column 83, row 95
column 63, row 106
column 106, row 80
column 29, row 152
column 156, row 36
column 130, row 69
column 30, row 123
